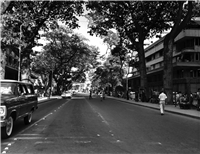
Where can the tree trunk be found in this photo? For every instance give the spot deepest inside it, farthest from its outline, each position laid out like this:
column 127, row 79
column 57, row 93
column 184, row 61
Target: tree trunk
column 168, row 68
column 3, row 64
column 143, row 74
column 179, row 25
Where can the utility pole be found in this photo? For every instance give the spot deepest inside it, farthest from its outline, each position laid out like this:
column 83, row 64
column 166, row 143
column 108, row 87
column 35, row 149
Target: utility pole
column 127, row 94
column 20, row 48
column 50, row 91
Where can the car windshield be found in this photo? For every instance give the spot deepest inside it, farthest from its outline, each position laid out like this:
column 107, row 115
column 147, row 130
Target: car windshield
column 7, row 89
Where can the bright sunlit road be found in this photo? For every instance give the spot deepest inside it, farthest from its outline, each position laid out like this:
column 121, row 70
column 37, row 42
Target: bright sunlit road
column 83, row 125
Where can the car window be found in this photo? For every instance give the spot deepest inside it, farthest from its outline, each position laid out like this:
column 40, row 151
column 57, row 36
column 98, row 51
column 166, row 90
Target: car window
column 17, row 89
column 23, row 89
column 30, row 89
column 7, row 88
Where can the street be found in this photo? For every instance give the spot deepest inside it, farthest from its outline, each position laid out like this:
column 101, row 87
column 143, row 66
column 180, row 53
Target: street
column 83, row 125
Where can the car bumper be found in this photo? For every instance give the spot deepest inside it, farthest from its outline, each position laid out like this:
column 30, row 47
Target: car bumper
column 3, row 123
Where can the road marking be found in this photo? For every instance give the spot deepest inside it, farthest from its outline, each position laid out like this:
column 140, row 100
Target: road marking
column 99, row 114
column 29, row 138
column 154, row 143
column 78, row 98
column 30, row 135
column 82, row 141
column 103, row 119
column 44, row 142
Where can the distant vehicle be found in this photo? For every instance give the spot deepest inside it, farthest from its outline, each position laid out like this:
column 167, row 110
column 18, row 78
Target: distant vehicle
column 67, row 94
column 18, row 100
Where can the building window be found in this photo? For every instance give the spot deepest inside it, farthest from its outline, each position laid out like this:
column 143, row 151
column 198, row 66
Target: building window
column 157, row 65
column 198, row 73
column 157, row 55
column 180, row 74
column 161, row 53
column 191, row 73
column 197, row 41
column 197, row 57
column 194, row 73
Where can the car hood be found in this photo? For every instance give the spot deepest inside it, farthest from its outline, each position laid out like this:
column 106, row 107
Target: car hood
column 5, row 98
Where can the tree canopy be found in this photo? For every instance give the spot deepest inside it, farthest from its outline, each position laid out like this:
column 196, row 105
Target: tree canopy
column 135, row 21
column 67, row 56
column 22, row 21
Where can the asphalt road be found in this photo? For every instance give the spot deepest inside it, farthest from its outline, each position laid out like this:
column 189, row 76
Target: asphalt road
column 83, row 125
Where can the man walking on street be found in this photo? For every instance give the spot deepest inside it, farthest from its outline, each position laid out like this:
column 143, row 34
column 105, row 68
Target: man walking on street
column 102, row 95
column 162, row 97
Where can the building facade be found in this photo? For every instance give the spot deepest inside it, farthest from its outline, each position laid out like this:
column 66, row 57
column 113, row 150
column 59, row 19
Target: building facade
column 186, row 63
column 9, row 64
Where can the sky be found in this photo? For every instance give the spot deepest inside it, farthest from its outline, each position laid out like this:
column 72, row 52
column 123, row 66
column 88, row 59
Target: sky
column 93, row 40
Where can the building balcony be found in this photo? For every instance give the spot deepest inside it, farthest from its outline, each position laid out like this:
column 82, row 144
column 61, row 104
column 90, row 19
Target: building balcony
column 188, row 33
column 186, row 64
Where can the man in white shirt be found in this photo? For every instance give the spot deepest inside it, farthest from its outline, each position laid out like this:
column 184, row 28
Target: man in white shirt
column 162, row 97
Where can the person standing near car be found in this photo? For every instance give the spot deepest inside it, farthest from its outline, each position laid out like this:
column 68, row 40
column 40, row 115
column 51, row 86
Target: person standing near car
column 162, row 97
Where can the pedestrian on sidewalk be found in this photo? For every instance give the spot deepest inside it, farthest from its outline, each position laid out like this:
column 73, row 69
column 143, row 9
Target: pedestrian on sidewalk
column 162, row 97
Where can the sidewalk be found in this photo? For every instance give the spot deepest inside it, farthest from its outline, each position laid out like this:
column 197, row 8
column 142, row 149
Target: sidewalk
column 44, row 99
column 168, row 108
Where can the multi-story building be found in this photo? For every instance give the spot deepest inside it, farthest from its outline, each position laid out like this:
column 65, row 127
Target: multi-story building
column 186, row 63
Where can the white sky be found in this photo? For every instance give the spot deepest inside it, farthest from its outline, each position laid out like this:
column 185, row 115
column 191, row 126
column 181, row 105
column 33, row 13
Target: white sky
column 93, row 40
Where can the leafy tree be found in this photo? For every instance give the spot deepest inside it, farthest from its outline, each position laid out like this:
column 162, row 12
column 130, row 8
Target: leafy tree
column 180, row 20
column 68, row 57
column 109, row 75
column 4, row 6
column 22, row 21
column 42, row 66
column 116, row 49
column 135, row 21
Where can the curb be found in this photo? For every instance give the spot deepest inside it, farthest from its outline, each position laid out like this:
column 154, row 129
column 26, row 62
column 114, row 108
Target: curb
column 45, row 100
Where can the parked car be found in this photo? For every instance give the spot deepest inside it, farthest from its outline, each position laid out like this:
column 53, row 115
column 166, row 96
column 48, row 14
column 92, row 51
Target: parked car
column 66, row 94
column 18, row 100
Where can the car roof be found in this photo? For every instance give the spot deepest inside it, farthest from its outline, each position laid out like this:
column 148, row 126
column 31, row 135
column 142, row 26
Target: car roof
column 13, row 81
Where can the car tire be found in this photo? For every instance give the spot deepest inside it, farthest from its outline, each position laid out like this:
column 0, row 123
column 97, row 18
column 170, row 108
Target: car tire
column 28, row 118
column 6, row 131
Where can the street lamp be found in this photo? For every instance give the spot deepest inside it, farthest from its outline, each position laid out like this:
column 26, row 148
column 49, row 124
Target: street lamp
column 50, row 90
column 20, row 48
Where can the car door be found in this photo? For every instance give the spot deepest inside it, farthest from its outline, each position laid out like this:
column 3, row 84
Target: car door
column 23, row 99
column 31, row 97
